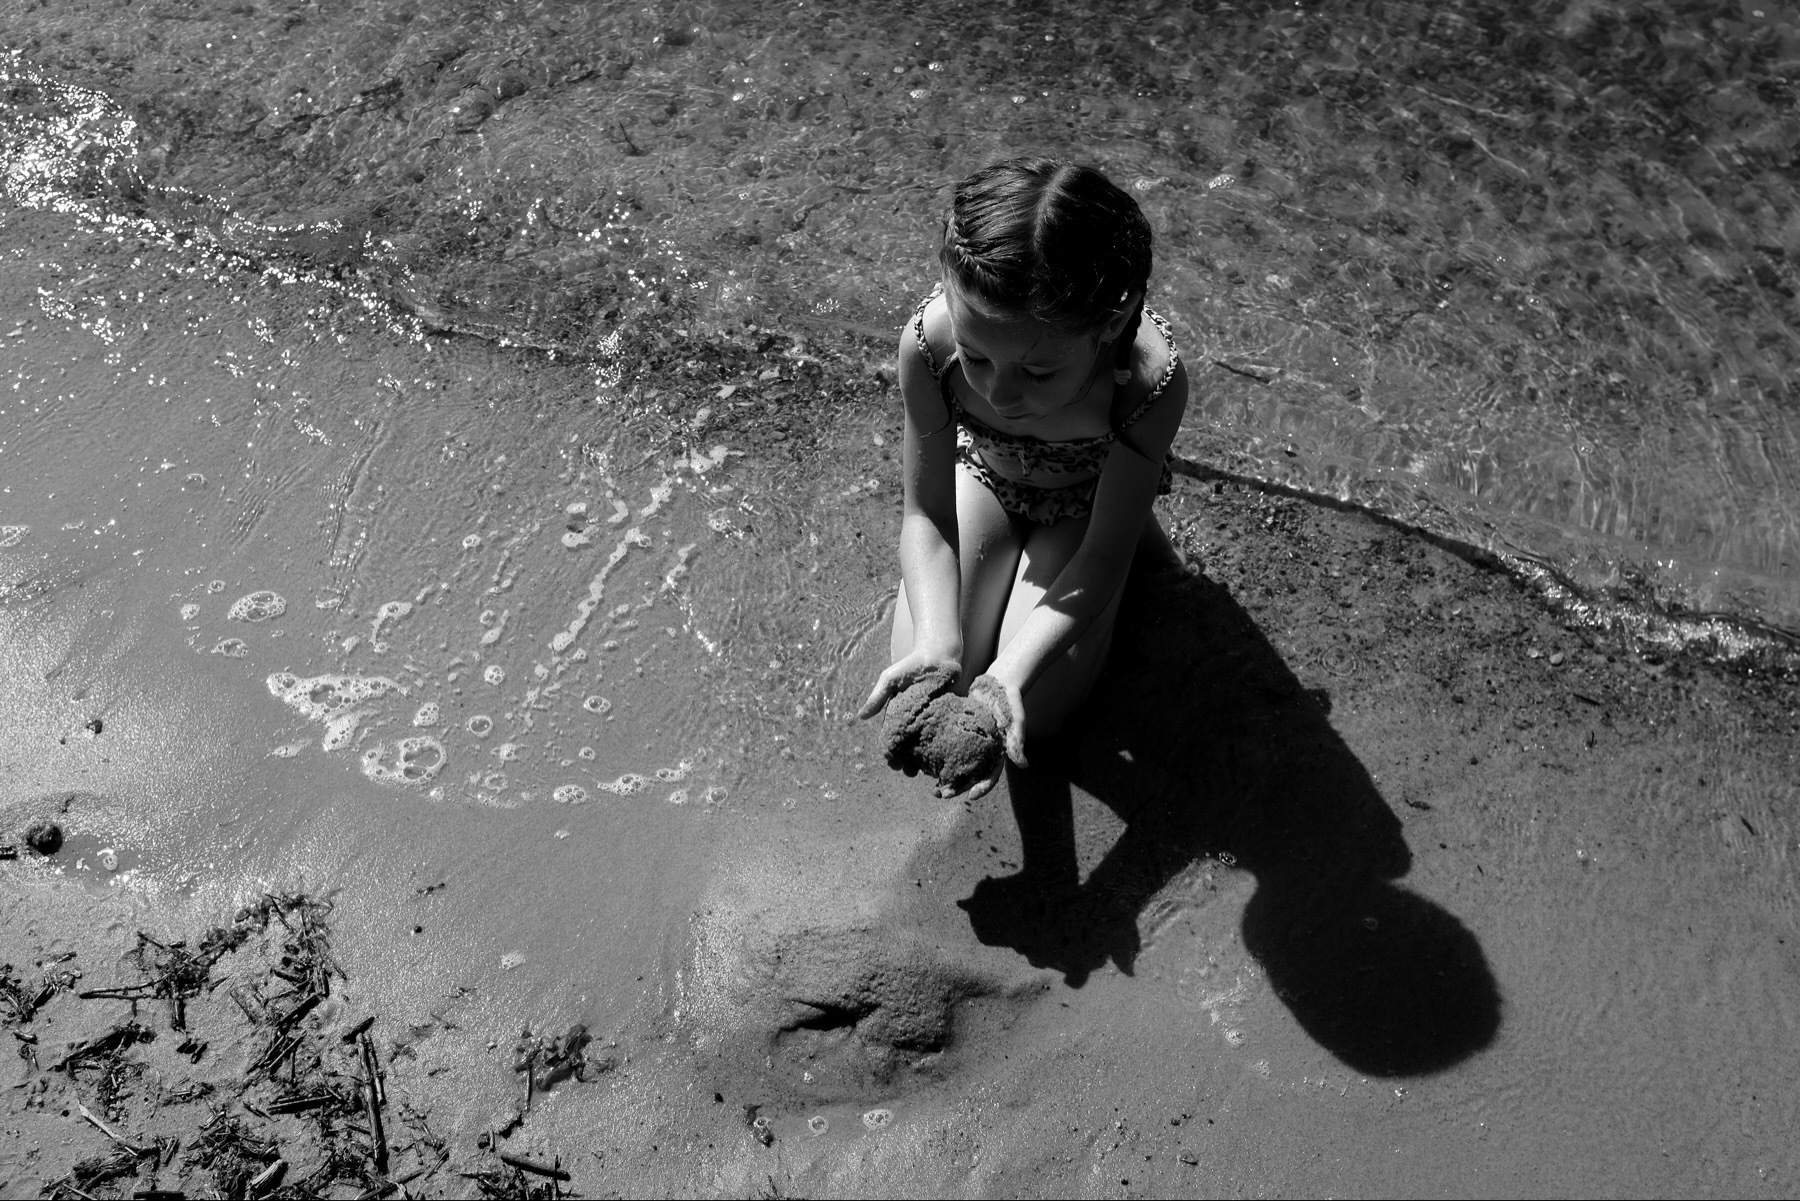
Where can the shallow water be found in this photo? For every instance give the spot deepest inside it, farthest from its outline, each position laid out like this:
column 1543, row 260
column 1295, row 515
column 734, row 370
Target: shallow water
column 302, row 598
column 1525, row 280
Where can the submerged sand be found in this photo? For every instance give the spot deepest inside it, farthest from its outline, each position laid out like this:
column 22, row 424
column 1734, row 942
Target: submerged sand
column 1363, row 875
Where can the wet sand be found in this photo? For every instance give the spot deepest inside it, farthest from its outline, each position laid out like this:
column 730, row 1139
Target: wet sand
column 1366, row 875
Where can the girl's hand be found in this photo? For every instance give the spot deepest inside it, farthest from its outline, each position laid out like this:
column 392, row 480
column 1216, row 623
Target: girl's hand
column 1007, row 708
column 903, row 675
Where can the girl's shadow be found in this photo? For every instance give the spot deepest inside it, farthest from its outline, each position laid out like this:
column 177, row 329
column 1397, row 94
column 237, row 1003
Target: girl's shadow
column 1204, row 744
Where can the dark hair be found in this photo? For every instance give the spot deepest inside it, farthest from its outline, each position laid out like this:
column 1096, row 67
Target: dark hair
column 1051, row 240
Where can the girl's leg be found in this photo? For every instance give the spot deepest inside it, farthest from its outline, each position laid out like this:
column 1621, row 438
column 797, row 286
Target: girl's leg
column 1064, row 684
column 1155, row 550
column 989, row 546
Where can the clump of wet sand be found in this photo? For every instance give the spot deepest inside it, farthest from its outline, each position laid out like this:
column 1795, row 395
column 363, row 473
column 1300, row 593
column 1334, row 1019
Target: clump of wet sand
column 928, row 727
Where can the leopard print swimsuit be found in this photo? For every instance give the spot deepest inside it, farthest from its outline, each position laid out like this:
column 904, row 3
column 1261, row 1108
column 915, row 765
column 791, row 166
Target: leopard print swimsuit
column 1079, row 458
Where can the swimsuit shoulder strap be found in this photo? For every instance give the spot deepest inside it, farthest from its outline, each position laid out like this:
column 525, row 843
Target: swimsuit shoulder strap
column 1168, row 373
column 938, row 370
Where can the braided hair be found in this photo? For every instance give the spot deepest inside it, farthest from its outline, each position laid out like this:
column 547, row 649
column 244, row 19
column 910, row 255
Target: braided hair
column 1051, row 240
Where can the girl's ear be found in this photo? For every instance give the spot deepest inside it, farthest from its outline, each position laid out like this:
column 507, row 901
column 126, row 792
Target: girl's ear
column 1115, row 324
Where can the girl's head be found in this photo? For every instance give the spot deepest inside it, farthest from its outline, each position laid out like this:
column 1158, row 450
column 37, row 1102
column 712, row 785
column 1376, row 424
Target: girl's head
column 1051, row 242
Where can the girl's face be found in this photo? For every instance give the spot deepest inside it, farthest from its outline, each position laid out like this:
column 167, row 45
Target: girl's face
column 1024, row 369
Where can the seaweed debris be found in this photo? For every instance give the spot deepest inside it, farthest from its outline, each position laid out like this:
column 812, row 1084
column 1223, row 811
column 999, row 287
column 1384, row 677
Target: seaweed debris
column 301, row 1111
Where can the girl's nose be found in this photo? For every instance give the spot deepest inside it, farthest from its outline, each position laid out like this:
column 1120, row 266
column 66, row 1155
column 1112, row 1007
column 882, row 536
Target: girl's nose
column 1004, row 390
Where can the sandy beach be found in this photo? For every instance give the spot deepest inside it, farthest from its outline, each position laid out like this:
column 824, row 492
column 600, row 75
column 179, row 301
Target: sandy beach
column 449, row 489
column 1369, row 875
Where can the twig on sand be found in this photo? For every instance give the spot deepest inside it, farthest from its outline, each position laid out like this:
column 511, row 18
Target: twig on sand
column 237, row 994
column 131, row 992
column 114, row 1135
column 267, row 1178
column 372, row 1102
column 113, row 1040
column 553, row 1171
column 373, row 1066
column 271, row 1061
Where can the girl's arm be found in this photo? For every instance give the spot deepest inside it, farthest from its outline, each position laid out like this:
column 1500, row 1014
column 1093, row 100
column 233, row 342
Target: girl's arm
column 1097, row 570
column 928, row 537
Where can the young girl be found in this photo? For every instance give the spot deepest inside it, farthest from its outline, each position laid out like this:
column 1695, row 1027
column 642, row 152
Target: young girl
column 1040, row 406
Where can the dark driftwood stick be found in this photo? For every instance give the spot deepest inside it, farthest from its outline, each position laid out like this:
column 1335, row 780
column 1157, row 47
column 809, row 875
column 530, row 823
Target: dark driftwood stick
column 278, row 1051
column 375, row 1131
column 237, row 995
column 299, row 1011
column 532, row 1166
column 134, row 992
column 357, row 1031
column 372, row 1064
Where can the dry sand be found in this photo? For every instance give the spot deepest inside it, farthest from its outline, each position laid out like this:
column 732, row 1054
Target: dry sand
column 1365, row 875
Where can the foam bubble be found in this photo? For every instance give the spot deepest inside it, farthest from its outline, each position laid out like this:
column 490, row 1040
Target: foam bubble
column 261, row 605
column 714, row 795
column 678, row 797
column 584, row 608
column 511, row 960
column 338, row 701
column 481, row 725
column 876, row 1119
column 493, row 673
column 374, row 768
column 340, row 731
column 596, row 704
column 471, row 541
column 216, row 586
column 625, row 785
column 288, row 751
column 231, row 648
column 421, row 757
column 818, row 1123
column 569, row 794
column 586, row 752
column 428, row 715
column 669, row 775
column 508, row 751
column 416, row 760
column 189, row 612
column 109, row 858
column 12, row 535
column 319, row 698
column 393, row 610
